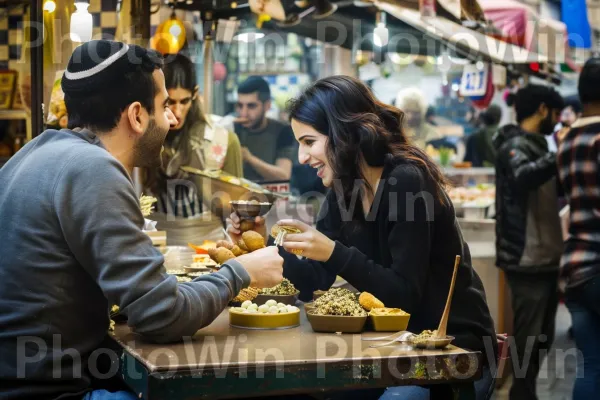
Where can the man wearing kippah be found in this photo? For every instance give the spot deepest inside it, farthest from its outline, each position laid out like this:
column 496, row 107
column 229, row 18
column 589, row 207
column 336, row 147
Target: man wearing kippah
column 71, row 240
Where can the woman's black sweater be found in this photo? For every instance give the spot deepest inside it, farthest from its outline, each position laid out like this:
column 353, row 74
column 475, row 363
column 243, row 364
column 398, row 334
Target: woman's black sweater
column 404, row 255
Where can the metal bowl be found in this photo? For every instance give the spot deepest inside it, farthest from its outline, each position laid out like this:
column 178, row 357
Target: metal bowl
column 290, row 299
column 264, row 321
column 248, row 210
column 219, row 190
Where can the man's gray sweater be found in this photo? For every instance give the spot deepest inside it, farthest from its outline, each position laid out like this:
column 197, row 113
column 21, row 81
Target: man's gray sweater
column 71, row 246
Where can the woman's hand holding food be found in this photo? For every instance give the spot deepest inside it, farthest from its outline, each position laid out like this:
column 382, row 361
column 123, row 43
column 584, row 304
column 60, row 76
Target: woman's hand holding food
column 311, row 242
column 236, row 226
column 265, row 267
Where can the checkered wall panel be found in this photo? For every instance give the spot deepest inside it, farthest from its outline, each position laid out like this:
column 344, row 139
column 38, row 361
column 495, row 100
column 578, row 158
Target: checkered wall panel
column 104, row 15
column 11, row 35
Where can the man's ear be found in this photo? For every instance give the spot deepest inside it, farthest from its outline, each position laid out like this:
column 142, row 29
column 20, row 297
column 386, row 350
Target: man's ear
column 137, row 116
column 196, row 92
column 267, row 105
column 543, row 111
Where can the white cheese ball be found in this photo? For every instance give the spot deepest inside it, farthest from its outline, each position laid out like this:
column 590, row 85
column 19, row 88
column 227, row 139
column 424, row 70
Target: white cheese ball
column 292, row 309
column 252, row 311
column 273, row 310
column 246, row 304
column 263, row 309
column 279, row 305
column 271, row 303
column 253, row 307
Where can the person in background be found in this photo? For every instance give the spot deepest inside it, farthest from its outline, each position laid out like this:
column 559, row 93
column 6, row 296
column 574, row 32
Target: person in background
column 528, row 232
column 412, row 102
column 578, row 159
column 194, row 141
column 572, row 111
column 480, row 146
column 268, row 146
column 72, row 243
column 568, row 116
column 430, row 116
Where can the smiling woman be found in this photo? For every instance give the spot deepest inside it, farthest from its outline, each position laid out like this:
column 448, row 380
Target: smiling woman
column 387, row 226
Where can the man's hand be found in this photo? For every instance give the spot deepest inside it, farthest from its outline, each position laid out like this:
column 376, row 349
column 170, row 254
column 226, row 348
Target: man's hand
column 234, row 225
column 246, row 154
column 265, row 267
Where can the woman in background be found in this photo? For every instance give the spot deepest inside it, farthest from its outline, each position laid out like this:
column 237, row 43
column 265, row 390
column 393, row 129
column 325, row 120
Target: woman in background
column 196, row 142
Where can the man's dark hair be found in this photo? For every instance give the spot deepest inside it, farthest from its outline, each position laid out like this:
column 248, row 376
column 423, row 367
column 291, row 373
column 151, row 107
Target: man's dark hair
column 529, row 99
column 256, row 84
column 101, row 110
column 589, row 81
column 492, row 115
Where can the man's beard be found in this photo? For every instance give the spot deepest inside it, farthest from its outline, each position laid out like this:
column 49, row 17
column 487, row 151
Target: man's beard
column 254, row 125
column 547, row 125
column 148, row 148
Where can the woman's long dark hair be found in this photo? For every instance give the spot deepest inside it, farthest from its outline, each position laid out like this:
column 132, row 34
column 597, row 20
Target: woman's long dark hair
column 360, row 128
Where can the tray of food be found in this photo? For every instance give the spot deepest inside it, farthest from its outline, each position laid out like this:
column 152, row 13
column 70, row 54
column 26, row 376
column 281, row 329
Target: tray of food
column 285, row 293
column 386, row 319
column 270, row 315
column 340, row 310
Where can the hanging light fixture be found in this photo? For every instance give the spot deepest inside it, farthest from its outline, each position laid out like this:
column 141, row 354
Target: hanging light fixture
column 81, row 22
column 323, row 9
column 381, row 34
column 49, row 6
column 170, row 36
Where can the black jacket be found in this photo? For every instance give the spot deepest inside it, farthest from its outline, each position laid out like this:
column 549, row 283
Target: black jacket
column 404, row 255
column 528, row 233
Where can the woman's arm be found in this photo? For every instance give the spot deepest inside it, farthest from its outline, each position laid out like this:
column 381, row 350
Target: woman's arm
column 410, row 222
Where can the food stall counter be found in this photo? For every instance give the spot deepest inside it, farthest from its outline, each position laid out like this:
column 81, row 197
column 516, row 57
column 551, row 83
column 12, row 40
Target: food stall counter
column 221, row 361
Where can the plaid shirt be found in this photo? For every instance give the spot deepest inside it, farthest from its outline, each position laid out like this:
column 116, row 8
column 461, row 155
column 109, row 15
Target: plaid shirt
column 579, row 172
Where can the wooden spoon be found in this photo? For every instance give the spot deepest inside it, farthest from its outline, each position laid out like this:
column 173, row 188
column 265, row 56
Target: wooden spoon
column 441, row 331
column 439, row 340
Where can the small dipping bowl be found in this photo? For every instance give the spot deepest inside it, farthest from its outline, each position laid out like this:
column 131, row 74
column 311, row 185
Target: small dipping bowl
column 432, row 343
column 249, row 209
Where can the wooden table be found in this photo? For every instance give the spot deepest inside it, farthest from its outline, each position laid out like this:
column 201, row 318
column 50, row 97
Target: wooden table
column 225, row 362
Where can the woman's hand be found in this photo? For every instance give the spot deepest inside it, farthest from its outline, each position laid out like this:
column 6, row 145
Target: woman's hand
column 314, row 244
column 234, row 227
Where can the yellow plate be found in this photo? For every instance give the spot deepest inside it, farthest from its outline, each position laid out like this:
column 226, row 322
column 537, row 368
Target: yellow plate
column 264, row 321
column 389, row 323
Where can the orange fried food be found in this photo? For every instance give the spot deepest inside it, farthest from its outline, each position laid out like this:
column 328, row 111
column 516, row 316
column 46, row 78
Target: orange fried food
column 368, row 301
column 225, row 243
column 235, row 249
column 253, row 240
